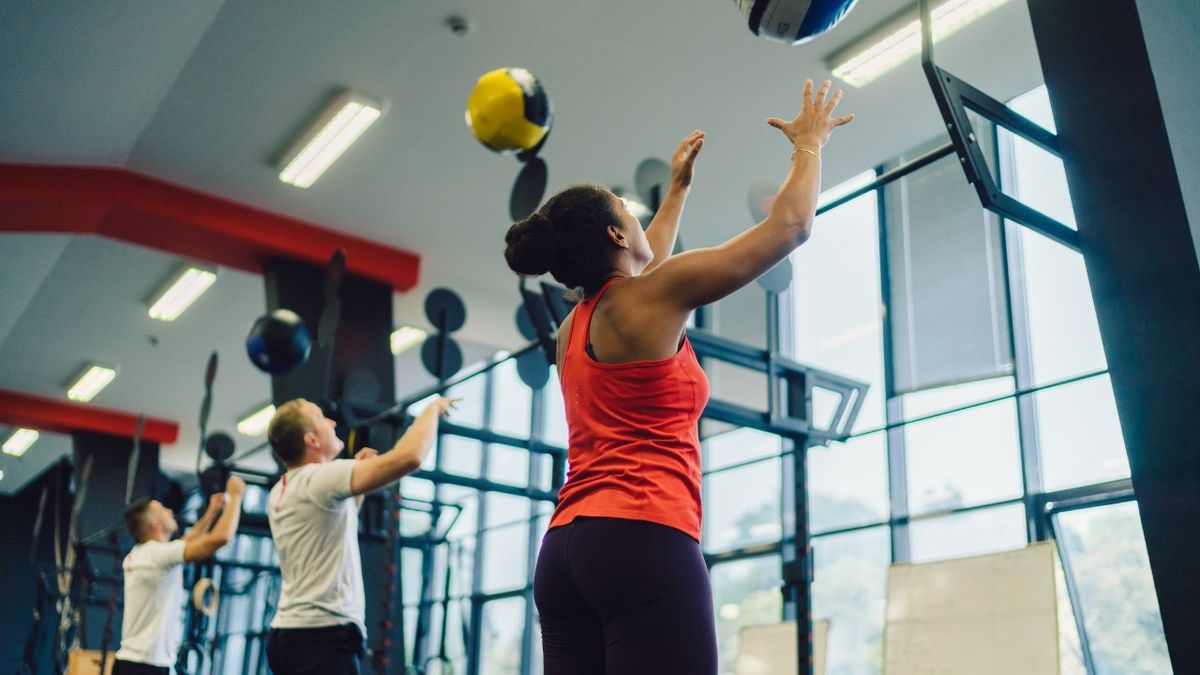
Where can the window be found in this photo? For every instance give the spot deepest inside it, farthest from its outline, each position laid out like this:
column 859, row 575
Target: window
column 969, row 533
column 745, row 593
column 1039, row 180
column 462, row 456
column 555, row 430
column 1079, row 435
column 505, row 554
column 850, row 590
column 507, row 464
column 1063, row 334
column 511, row 401
column 838, row 311
column 1105, row 552
column 963, row 458
column 848, row 483
column 735, row 445
column 743, row 505
column 503, row 627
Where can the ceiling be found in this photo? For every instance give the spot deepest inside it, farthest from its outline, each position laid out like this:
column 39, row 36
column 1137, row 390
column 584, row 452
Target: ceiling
column 207, row 93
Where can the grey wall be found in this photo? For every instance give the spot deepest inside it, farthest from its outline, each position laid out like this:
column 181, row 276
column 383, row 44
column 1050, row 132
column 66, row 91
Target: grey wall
column 1172, row 30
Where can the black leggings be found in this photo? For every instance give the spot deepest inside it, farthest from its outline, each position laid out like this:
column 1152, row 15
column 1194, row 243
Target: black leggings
column 624, row 597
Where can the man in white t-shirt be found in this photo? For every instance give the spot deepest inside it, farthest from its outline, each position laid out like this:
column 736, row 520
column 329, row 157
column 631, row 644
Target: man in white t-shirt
column 152, row 625
column 319, row 625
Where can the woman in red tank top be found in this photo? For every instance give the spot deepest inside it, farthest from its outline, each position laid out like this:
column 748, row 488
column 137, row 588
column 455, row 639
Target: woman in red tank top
column 621, row 585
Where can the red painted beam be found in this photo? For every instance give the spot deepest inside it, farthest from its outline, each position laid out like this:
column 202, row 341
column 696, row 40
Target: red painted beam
column 128, row 206
column 64, row 417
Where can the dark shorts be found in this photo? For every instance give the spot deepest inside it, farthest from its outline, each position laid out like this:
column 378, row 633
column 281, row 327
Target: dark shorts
column 131, row 668
column 329, row 650
column 624, row 597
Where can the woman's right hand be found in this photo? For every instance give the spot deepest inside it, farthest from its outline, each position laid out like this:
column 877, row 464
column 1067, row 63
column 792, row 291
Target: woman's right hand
column 813, row 126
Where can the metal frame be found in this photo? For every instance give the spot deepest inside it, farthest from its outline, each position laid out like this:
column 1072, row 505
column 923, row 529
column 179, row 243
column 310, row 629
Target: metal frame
column 1020, row 340
column 954, row 98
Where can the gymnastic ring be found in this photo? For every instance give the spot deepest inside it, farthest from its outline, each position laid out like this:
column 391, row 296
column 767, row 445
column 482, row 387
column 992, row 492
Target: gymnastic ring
column 204, row 586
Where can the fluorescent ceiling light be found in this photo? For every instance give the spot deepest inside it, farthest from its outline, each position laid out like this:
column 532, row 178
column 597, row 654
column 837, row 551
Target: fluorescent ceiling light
column 180, row 291
column 87, row 385
column 406, row 337
column 899, row 41
column 19, row 442
column 1, row 475
column 346, row 118
column 637, row 209
column 256, row 423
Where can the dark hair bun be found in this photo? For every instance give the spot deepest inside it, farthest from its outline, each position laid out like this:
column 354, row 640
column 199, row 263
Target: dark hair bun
column 529, row 246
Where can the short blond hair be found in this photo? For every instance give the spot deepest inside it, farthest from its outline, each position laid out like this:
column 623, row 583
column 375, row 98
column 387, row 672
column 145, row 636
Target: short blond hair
column 136, row 519
column 287, row 429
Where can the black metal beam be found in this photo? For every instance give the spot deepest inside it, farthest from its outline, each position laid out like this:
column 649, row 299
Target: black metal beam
column 891, row 176
column 954, row 97
column 1142, row 264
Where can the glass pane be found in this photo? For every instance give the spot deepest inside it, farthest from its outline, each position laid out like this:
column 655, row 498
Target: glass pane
column 965, row 458
column 507, row 464
column 505, row 509
column 418, row 488
column 1106, row 552
column 1063, row 333
column 1079, row 435
column 503, row 628
column 461, row 456
column 470, row 407
column 848, row 483
column 942, row 399
column 1039, row 178
column 850, row 590
column 511, row 401
column 505, row 558
column 459, row 605
column 463, row 554
column 838, row 315
column 743, row 506
column 971, row 533
column 738, row 445
column 537, row 665
column 254, row 499
column 543, row 470
column 745, row 593
column 410, row 566
column 555, row 432
column 468, row 519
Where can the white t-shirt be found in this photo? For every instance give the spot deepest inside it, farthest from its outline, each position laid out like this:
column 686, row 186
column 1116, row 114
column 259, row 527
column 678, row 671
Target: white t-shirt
column 152, row 624
column 314, row 521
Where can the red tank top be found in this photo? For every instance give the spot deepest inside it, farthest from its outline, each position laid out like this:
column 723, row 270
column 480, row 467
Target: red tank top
column 634, row 445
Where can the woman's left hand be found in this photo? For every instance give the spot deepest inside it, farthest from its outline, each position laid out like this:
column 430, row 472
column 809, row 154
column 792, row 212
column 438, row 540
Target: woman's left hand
column 685, row 159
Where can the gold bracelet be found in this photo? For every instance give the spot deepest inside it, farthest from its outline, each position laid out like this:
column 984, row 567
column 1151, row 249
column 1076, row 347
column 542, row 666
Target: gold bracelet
column 805, row 150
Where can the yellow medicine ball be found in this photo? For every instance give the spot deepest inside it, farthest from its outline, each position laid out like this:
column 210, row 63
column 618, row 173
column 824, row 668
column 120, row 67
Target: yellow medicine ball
column 509, row 111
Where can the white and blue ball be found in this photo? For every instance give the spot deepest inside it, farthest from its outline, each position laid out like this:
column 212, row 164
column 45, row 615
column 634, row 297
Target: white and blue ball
column 793, row 21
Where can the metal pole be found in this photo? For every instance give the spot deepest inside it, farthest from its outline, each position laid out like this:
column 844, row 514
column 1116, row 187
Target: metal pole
column 891, row 176
column 536, row 423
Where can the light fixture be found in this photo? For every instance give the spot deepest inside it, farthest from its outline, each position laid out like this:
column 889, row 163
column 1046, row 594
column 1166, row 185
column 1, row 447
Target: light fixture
column 180, row 290
column 637, row 209
column 90, row 382
column 342, row 122
column 256, row 423
column 1, row 475
column 406, row 337
column 19, row 442
column 900, row 39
